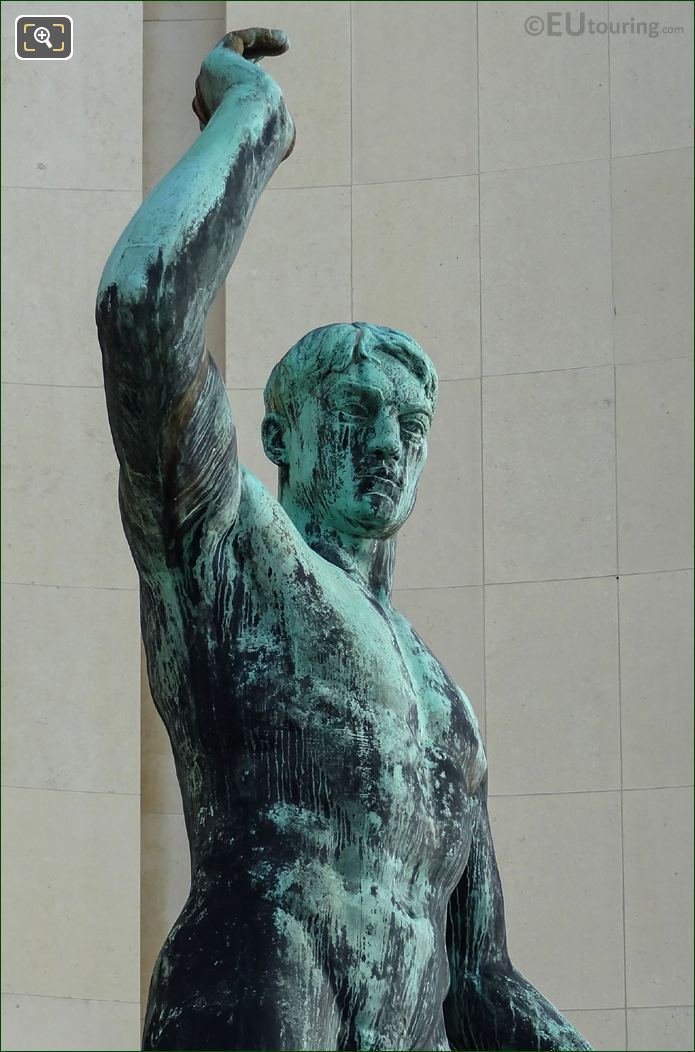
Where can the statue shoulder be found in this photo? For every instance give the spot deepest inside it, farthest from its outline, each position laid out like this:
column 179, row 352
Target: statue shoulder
column 477, row 764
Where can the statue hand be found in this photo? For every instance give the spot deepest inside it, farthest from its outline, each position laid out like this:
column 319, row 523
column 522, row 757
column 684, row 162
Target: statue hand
column 232, row 63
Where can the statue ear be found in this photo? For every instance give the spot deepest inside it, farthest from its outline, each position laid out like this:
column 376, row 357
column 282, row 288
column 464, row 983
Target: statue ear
column 273, row 431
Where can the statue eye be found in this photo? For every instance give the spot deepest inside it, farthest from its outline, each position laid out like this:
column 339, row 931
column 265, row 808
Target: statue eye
column 353, row 411
column 414, row 427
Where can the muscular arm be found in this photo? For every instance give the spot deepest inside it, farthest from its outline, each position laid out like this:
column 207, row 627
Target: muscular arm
column 489, row 1004
column 167, row 405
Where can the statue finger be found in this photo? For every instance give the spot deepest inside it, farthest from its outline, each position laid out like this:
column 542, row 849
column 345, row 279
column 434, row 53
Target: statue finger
column 258, row 42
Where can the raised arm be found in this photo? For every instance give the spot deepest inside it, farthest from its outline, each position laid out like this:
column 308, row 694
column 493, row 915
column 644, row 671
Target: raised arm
column 489, row 1004
column 167, row 404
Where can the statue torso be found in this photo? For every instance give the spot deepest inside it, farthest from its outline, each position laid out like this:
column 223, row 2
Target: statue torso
column 325, row 757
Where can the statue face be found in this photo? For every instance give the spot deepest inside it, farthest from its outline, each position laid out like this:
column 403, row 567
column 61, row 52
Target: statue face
column 358, row 447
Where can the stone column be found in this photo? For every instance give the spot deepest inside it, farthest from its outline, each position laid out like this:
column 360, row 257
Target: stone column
column 71, row 796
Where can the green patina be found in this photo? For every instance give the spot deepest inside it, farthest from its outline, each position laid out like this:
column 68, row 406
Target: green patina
column 344, row 890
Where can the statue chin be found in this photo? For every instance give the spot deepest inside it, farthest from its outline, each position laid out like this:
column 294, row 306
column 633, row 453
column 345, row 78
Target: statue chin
column 375, row 517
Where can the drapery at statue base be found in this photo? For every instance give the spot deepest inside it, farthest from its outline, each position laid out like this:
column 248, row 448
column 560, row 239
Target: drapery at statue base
column 344, row 888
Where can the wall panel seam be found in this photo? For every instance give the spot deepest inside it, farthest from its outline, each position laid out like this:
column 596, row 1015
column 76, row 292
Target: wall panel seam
column 482, row 370
column 624, row 1008
column 64, row 789
column 591, row 792
column 64, row 387
column 587, row 577
column 617, row 519
column 67, row 997
column 75, row 189
column 80, row 587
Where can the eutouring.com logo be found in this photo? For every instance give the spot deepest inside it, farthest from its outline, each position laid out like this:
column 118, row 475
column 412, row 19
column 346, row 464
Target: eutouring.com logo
column 39, row 38
column 576, row 24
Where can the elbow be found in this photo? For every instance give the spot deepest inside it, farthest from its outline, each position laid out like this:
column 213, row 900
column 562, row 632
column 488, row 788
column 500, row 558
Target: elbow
column 132, row 276
column 118, row 315
column 130, row 301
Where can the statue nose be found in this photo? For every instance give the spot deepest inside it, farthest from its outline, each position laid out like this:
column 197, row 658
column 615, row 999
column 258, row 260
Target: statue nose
column 386, row 435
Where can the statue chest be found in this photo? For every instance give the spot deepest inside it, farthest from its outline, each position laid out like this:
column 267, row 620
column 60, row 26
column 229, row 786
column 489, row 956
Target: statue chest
column 354, row 703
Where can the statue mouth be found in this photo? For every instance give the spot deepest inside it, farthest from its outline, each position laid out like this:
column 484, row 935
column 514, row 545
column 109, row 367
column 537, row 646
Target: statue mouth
column 378, row 481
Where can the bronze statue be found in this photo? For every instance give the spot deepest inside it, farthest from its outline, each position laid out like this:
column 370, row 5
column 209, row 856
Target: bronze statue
column 344, row 888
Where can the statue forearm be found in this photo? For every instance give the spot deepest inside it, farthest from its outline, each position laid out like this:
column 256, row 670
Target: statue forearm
column 499, row 1009
column 180, row 244
column 173, row 256
column 489, row 1004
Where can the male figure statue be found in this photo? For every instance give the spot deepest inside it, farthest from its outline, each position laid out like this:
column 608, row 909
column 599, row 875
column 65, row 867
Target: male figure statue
column 344, row 888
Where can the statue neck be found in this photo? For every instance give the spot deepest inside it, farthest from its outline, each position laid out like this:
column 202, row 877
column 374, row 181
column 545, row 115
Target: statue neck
column 369, row 560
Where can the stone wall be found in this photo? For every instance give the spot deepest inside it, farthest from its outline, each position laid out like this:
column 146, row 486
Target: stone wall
column 521, row 204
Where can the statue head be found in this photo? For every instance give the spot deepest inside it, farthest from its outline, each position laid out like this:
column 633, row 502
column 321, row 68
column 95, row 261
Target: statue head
column 348, row 412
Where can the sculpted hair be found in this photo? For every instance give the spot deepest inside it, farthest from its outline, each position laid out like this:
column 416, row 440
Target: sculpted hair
column 331, row 349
